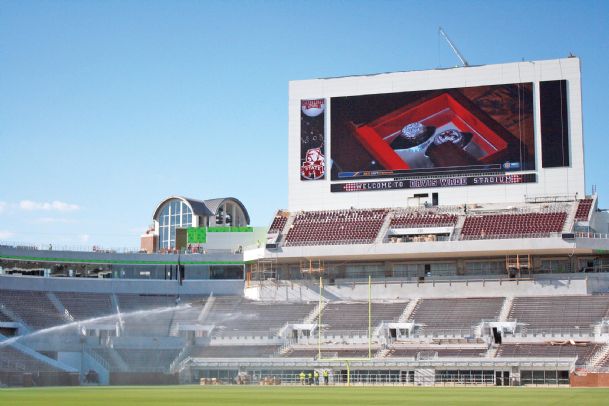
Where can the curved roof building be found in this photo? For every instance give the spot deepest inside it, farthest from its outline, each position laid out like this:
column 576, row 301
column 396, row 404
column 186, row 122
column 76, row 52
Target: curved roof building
column 179, row 212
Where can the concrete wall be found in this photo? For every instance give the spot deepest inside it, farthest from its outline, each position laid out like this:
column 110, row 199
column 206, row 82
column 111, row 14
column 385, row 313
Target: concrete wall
column 346, row 290
column 159, row 287
column 90, row 257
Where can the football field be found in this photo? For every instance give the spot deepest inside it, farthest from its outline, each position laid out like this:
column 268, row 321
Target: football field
column 315, row 396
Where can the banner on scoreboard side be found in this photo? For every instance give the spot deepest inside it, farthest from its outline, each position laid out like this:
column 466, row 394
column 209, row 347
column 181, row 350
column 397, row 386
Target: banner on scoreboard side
column 453, row 181
column 312, row 139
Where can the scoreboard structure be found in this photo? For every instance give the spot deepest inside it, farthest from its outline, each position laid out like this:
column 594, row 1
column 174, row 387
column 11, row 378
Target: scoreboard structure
column 480, row 134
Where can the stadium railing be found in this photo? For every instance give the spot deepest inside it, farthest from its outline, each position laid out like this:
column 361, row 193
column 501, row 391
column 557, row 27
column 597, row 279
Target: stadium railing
column 587, row 332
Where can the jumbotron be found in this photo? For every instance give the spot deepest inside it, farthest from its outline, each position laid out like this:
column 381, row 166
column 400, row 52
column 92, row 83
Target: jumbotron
column 438, row 232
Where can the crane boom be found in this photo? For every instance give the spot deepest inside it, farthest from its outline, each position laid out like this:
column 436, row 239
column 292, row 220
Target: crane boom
column 454, row 48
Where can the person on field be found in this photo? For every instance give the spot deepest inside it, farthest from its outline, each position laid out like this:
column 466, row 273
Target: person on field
column 302, row 377
column 309, row 378
column 316, row 374
column 325, row 375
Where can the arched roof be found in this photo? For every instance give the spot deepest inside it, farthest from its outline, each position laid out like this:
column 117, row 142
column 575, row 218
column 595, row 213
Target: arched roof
column 214, row 204
column 198, row 207
column 202, row 207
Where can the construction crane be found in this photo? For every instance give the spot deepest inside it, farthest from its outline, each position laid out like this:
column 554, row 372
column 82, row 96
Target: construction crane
column 453, row 47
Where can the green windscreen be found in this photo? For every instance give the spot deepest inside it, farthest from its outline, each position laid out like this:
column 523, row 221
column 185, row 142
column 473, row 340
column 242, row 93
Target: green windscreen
column 196, row 235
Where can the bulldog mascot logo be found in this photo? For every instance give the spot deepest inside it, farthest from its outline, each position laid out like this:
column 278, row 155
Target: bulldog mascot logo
column 314, row 166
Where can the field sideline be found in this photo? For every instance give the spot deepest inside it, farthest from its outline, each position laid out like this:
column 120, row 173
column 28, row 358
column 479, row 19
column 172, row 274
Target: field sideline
column 311, row 396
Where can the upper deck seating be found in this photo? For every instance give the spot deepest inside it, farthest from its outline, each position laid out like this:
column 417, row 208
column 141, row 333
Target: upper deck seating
column 278, row 224
column 415, row 219
column 494, row 225
column 336, row 227
column 583, row 210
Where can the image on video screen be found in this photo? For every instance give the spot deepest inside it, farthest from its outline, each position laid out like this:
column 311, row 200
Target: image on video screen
column 473, row 129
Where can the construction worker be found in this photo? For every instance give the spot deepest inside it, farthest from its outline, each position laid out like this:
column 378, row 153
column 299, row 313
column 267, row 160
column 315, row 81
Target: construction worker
column 325, row 375
column 302, row 377
column 316, row 377
column 309, row 378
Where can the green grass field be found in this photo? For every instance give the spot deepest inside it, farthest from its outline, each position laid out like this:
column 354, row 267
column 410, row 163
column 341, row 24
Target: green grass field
column 312, row 396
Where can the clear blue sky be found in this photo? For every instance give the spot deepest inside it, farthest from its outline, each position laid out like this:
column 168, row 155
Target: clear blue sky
column 107, row 107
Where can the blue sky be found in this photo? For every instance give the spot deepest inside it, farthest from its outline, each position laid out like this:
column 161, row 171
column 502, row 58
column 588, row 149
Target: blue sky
column 107, row 107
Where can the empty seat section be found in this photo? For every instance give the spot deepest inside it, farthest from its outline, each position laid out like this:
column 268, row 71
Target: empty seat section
column 152, row 360
column 235, row 351
column 235, row 316
column 583, row 353
column 34, row 308
column 415, row 219
column 494, row 225
column 147, row 315
column 83, row 306
column 335, row 227
column 13, row 360
column 583, row 210
column 548, row 312
column 328, row 353
column 278, row 224
column 441, row 352
column 345, row 317
column 455, row 314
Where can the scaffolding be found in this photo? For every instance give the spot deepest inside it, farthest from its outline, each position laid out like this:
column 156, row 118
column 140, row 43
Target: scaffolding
column 518, row 265
column 313, row 268
column 262, row 270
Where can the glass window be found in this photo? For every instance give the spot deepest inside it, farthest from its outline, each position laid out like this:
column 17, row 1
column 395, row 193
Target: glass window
column 175, row 213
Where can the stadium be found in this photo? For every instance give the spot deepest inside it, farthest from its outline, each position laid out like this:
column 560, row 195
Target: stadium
column 438, row 233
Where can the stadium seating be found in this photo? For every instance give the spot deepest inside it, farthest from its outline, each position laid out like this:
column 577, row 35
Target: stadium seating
column 335, row 227
column 34, row 308
column 156, row 359
column 583, row 210
column 407, row 352
column 132, row 302
column 454, row 314
column 12, row 359
column 241, row 351
column 344, row 317
column 235, row 316
column 554, row 312
column 583, row 353
column 83, row 306
column 493, row 225
column 327, row 352
column 418, row 219
column 278, row 224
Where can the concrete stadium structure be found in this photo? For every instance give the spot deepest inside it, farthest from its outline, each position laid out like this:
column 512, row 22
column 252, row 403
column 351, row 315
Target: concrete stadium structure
column 438, row 233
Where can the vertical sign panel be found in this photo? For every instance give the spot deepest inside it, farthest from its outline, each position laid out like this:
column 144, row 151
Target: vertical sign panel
column 554, row 123
column 312, row 136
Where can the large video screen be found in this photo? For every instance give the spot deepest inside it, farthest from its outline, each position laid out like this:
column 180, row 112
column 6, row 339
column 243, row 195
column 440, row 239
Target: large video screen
column 449, row 131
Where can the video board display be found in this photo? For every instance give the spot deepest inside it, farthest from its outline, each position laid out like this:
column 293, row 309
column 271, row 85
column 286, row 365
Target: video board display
column 449, row 131
column 312, row 139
